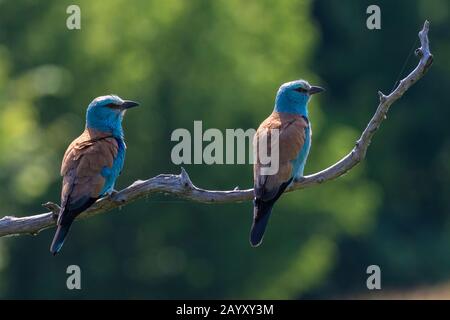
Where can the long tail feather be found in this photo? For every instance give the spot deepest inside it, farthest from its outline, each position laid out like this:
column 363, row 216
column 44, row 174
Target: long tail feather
column 262, row 210
column 261, row 214
column 58, row 239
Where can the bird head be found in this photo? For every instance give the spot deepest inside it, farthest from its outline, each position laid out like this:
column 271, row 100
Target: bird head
column 105, row 113
column 293, row 96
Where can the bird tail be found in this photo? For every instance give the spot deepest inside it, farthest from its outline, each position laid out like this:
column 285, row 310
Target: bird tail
column 261, row 217
column 60, row 236
column 261, row 214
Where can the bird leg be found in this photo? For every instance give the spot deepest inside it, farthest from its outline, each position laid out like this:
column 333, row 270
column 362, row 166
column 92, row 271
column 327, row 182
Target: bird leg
column 112, row 193
column 298, row 179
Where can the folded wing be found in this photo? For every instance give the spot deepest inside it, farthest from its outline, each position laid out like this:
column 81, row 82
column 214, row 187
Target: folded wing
column 291, row 128
column 82, row 168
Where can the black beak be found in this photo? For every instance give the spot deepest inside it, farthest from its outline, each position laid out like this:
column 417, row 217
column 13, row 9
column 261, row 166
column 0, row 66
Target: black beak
column 315, row 89
column 127, row 104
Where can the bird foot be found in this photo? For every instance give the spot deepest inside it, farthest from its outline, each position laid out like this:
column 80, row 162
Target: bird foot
column 298, row 179
column 113, row 193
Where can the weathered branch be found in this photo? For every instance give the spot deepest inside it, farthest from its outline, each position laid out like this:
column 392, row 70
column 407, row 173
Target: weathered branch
column 182, row 187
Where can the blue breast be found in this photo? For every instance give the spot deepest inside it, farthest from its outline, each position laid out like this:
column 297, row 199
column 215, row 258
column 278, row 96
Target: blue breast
column 111, row 174
column 300, row 161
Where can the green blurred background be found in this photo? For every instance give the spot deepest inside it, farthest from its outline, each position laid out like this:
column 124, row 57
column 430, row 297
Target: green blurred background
column 222, row 62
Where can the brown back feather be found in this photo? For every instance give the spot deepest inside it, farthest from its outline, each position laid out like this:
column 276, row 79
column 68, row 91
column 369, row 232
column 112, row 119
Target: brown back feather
column 82, row 164
column 291, row 139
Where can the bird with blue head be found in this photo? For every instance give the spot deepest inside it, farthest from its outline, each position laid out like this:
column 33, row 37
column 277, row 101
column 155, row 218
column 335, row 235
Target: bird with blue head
column 92, row 162
column 291, row 121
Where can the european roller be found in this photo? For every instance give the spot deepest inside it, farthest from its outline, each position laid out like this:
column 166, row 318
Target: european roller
column 92, row 162
column 290, row 117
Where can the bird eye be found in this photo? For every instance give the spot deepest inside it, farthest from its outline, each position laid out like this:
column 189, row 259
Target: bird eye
column 301, row 90
column 112, row 106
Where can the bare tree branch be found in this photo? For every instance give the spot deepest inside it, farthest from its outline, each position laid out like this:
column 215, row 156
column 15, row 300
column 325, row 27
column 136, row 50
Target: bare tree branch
column 181, row 186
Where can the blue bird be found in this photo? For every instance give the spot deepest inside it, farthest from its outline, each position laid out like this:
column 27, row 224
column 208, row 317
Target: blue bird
column 92, row 162
column 290, row 118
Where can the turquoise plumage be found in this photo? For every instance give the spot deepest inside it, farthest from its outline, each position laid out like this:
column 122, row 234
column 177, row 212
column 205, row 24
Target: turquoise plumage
column 92, row 162
column 290, row 118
